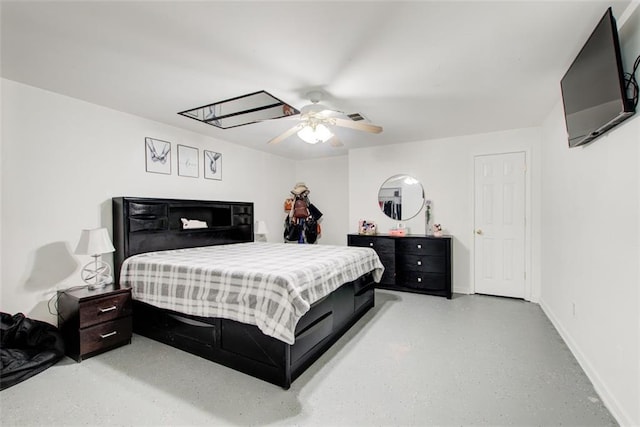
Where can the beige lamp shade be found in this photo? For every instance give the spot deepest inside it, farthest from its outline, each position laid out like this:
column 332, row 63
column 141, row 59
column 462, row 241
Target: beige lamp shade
column 94, row 242
column 262, row 228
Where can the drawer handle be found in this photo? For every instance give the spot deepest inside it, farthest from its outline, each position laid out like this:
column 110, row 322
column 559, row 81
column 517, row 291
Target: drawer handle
column 108, row 309
column 419, row 279
column 110, row 334
column 419, row 246
column 419, row 262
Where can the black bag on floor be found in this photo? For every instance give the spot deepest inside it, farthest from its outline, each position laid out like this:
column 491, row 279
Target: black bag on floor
column 27, row 347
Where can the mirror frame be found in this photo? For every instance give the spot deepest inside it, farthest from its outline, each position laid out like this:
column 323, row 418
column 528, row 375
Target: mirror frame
column 398, row 177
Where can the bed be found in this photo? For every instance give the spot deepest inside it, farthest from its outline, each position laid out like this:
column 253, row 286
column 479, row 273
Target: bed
column 266, row 309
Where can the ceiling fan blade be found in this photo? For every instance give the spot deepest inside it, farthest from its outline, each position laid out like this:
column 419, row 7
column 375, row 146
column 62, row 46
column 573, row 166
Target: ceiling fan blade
column 285, row 135
column 335, row 142
column 356, row 125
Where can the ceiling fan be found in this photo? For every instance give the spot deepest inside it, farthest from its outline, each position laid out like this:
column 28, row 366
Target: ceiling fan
column 315, row 120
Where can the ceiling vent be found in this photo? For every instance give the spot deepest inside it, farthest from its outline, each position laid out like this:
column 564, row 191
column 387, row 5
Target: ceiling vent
column 356, row 117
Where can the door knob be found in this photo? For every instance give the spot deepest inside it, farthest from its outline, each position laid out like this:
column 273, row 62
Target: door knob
column 479, row 231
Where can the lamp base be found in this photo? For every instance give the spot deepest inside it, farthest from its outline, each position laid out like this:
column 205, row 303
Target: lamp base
column 104, row 284
column 97, row 275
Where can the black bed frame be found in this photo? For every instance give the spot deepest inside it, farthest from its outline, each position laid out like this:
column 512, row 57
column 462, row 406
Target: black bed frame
column 144, row 224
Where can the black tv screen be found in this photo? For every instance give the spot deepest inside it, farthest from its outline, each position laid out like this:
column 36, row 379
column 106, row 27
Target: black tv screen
column 593, row 89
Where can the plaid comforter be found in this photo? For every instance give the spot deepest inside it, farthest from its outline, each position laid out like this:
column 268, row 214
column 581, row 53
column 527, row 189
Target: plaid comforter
column 270, row 285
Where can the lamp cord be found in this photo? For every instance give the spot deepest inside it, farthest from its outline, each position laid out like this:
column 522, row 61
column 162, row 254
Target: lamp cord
column 54, row 300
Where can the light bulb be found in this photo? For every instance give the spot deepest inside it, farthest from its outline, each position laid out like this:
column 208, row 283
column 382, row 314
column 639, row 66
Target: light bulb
column 314, row 134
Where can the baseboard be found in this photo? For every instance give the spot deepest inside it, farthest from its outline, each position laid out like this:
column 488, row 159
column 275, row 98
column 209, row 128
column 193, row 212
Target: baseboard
column 603, row 391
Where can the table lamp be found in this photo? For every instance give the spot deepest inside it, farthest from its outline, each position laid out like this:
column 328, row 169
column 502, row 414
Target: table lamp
column 95, row 242
column 261, row 231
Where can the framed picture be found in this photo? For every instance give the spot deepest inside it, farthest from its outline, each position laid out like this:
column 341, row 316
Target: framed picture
column 212, row 165
column 188, row 161
column 157, row 156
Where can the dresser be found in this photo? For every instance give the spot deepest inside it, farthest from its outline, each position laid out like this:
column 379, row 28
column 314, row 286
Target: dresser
column 94, row 321
column 413, row 263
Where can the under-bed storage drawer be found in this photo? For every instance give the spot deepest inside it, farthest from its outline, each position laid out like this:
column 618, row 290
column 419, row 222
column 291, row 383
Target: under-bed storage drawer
column 179, row 330
column 314, row 326
column 191, row 333
column 242, row 341
column 310, row 337
column 362, row 283
column 318, row 309
column 363, row 289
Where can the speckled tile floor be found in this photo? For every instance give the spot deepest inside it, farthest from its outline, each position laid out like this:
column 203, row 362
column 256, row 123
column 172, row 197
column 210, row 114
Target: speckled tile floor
column 414, row 360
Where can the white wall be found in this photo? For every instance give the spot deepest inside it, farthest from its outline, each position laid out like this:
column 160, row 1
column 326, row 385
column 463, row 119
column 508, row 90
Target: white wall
column 327, row 179
column 590, row 255
column 63, row 159
column 591, row 246
column 445, row 169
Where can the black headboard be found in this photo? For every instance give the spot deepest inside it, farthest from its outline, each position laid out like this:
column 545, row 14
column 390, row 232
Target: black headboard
column 146, row 224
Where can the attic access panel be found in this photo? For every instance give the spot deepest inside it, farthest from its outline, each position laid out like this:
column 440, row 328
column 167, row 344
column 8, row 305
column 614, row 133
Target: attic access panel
column 241, row 110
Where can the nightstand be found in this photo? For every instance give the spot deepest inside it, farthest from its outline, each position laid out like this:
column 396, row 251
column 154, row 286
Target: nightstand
column 94, row 321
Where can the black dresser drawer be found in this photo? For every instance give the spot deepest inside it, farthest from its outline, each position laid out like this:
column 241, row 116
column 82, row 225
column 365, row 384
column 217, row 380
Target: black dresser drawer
column 422, row 281
column 413, row 263
column 422, row 246
column 422, row 263
column 379, row 244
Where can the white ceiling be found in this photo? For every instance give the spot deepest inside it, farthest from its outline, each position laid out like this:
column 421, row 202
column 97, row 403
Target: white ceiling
column 421, row 69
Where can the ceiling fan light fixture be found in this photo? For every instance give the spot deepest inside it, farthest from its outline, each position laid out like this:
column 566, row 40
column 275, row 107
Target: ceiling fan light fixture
column 314, row 134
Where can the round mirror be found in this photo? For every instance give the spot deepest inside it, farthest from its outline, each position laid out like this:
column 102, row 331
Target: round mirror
column 401, row 197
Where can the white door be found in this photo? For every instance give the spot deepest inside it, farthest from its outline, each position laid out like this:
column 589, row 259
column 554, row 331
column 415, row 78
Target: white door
column 499, row 246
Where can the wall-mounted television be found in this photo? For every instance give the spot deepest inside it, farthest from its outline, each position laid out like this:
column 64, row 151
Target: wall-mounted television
column 593, row 89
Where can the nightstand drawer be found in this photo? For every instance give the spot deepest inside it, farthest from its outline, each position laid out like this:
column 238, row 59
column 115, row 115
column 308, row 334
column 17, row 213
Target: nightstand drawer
column 105, row 335
column 104, row 309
